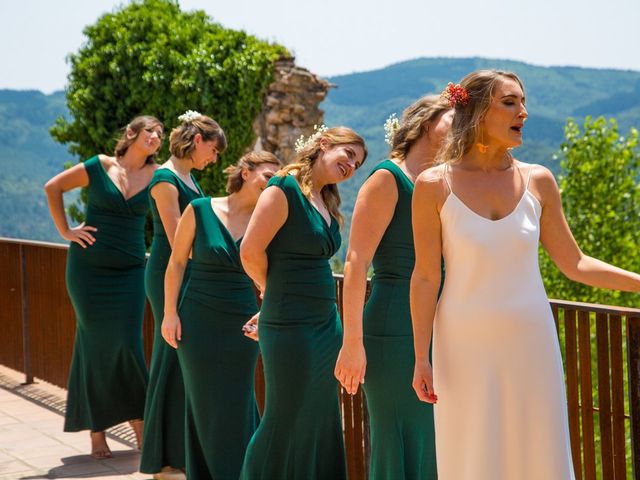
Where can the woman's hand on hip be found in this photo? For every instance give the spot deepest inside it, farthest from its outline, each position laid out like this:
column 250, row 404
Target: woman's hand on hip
column 81, row 235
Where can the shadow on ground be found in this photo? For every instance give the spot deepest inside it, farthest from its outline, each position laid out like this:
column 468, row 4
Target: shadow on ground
column 54, row 403
column 124, row 462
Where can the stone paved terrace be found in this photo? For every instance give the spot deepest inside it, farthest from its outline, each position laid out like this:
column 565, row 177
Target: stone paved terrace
column 33, row 445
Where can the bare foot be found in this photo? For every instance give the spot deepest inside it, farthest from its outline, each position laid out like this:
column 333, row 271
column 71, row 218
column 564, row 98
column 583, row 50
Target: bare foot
column 170, row 473
column 137, row 425
column 99, row 448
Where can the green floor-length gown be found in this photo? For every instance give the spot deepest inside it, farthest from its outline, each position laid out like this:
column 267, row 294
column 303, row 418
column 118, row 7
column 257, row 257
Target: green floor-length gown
column 217, row 360
column 300, row 434
column 105, row 281
column 402, row 429
column 164, row 409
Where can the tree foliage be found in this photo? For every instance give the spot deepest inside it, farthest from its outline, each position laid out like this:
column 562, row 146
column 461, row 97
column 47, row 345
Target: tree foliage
column 150, row 57
column 601, row 199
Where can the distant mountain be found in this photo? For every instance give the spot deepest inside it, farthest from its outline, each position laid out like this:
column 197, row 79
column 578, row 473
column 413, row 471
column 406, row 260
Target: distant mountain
column 28, row 158
column 364, row 100
column 28, row 155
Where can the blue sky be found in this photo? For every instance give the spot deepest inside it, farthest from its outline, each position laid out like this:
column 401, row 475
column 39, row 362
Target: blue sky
column 342, row 36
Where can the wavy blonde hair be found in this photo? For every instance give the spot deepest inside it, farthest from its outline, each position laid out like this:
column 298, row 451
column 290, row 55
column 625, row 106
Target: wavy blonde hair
column 136, row 126
column 182, row 138
column 413, row 122
column 250, row 161
column 465, row 128
column 305, row 159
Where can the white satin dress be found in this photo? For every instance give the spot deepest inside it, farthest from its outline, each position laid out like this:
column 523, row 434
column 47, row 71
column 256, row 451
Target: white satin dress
column 501, row 411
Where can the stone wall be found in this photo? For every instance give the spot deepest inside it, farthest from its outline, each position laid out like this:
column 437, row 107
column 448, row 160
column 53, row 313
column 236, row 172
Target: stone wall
column 290, row 109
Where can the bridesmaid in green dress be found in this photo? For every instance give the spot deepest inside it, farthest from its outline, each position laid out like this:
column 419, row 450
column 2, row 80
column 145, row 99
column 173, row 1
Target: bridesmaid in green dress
column 105, row 280
column 217, row 361
column 291, row 237
column 195, row 143
column 402, row 430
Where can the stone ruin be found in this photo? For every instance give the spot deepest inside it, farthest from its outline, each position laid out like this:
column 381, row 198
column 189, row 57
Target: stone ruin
column 289, row 109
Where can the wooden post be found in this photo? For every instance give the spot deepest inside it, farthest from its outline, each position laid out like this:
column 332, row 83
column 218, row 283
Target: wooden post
column 24, row 297
column 617, row 386
column 633, row 358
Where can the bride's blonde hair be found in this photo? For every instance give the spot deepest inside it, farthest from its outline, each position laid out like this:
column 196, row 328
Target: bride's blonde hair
column 465, row 127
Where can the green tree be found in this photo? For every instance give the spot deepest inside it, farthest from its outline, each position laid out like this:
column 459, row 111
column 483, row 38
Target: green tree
column 601, row 199
column 150, row 57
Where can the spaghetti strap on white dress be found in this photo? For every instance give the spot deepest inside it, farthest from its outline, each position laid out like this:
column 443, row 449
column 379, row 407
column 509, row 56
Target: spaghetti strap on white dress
column 501, row 411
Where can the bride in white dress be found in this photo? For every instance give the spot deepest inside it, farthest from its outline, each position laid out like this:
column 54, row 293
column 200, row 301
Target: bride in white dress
column 497, row 378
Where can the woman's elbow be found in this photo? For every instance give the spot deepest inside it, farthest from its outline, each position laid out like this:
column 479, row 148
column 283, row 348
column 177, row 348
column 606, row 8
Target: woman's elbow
column 50, row 186
column 572, row 268
column 424, row 279
column 177, row 263
column 248, row 254
column 572, row 272
column 355, row 264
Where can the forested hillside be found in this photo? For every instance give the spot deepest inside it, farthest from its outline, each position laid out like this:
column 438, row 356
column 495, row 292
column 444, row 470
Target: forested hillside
column 28, row 155
column 364, row 100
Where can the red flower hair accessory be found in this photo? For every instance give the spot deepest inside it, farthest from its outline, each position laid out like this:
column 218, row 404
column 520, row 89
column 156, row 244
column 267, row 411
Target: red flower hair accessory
column 455, row 94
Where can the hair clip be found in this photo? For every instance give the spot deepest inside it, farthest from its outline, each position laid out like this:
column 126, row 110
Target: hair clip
column 301, row 143
column 189, row 116
column 391, row 126
column 456, row 94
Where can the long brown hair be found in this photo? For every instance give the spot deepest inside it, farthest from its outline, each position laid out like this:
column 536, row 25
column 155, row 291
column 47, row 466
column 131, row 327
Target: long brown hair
column 250, row 161
column 136, row 126
column 182, row 143
column 465, row 128
column 413, row 121
column 305, row 159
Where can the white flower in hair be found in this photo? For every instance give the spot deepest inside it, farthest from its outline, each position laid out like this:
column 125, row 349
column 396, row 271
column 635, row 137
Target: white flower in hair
column 189, row 116
column 302, row 143
column 391, row 125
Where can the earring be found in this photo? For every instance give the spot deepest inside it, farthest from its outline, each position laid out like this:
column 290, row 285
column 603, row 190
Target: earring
column 482, row 148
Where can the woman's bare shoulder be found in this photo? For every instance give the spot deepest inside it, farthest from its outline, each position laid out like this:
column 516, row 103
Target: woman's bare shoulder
column 432, row 184
column 433, row 178
column 106, row 160
column 542, row 183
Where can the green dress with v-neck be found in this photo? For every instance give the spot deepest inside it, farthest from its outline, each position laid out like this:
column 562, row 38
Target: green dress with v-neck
column 164, row 407
column 402, row 428
column 217, row 360
column 105, row 281
column 300, row 434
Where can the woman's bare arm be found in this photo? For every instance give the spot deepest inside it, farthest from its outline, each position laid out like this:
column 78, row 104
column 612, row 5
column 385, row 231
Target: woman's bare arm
column 558, row 241
column 74, row 177
column 183, row 241
column 268, row 217
column 426, row 277
column 372, row 214
column 166, row 197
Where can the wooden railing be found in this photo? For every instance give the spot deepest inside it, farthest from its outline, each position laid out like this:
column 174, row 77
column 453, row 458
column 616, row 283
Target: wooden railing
column 600, row 346
column 601, row 350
